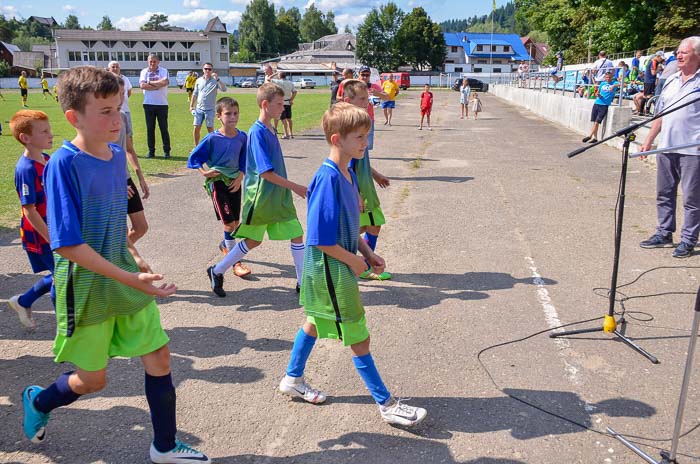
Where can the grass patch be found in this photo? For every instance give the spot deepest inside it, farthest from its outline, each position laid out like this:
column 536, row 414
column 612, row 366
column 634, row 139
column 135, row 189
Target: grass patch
column 308, row 108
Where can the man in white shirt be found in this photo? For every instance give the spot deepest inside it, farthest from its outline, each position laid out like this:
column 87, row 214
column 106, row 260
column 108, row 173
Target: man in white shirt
column 601, row 66
column 289, row 94
column 154, row 82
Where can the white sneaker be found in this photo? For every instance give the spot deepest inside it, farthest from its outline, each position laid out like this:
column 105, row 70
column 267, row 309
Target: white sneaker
column 24, row 314
column 182, row 453
column 398, row 413
column 301, row 389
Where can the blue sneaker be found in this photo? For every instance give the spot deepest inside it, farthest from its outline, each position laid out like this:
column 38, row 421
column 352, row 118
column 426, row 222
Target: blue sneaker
column 34, row 421
column 182, row 453
column 683, row 250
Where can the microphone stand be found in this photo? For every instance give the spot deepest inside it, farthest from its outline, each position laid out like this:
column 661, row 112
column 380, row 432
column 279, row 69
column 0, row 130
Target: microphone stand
column 609, row 322
column 670, row 457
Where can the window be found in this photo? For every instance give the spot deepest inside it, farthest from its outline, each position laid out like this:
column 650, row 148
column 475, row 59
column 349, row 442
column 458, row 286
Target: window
column 479, row 48
column 102, row 56
column 168, row 44
column 194, row 56
column 89, row 43
column 496, row 70
column 224, row 42
column 109, row 43
column 223, row 56
column 130, row 43
column 181, row 56
column 458, row 70
column 453, row 49
column 142, row 56
column 187, row 45
column 477, row 70
column 73, row 56
column 149, row 43
column 91, row 56
column 493, row 48
column 506, row 48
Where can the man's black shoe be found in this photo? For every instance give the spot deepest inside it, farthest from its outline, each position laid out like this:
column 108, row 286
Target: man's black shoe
column 683, row 250
column 658, row 240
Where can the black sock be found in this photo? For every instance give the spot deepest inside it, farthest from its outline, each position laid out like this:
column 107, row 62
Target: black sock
column 160, row 394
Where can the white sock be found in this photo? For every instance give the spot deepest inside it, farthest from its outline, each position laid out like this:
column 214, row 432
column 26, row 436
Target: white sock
column 298, row 256
column 230, row 244
column 233, row 256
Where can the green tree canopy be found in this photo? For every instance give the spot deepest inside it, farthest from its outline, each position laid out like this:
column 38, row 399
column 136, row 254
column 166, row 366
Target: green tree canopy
column 376, row 38
column 72, row 22
column 288, row 30
column 105, row 24
column 257, row 30
column 314, row 24
column 420, row 41
column 157, row 22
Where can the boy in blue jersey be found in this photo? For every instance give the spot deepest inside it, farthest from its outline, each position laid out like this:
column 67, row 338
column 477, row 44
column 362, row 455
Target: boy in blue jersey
column 32, row 129
column 329, row 292
column 220, row 158
column 605, row 95
column 104, row 305
column 267, row 193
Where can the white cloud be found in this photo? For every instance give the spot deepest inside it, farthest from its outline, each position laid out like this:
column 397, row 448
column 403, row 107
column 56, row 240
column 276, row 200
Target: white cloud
column 191, row 3
column 9, row 11
column 351, row 20
column 244, row 2
column 69, row 8
column 335, row 5
column 195, row 19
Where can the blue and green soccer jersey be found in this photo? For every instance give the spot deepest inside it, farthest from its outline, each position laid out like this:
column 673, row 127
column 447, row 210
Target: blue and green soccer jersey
column 365, row 182
column 264, row 202
column 329, row 288
column 220, row 153
column 87, row 200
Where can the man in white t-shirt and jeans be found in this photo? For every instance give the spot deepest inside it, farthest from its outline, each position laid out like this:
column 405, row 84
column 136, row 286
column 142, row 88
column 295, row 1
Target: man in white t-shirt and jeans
column 154, row 82
column 289, row 93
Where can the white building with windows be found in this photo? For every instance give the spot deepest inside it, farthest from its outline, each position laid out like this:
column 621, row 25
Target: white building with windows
column 469, row 52
column 178, row 50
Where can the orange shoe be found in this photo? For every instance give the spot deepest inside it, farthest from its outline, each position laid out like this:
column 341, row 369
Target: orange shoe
column 240, row 270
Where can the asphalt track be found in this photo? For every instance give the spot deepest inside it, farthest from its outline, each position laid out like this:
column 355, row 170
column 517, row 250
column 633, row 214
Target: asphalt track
column 492, row 235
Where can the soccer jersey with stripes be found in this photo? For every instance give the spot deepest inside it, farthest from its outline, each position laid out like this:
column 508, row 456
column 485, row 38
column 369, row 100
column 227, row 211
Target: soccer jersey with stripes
column 365, row 181
column 86, row 204
column 329, row 288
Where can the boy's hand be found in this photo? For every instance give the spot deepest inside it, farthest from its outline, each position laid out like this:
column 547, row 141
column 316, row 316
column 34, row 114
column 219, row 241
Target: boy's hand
column 381, row 180
column 377, row 263
column 144, row 283
column 211, row 173
column 236, row 184
column 358, row 266
column 144, row 188
column 130, row 192
column 299, row 190
column 143, row 265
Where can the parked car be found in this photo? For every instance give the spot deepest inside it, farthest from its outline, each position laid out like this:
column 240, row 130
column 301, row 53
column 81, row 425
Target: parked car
column 260, row 81
column 475, row 84
column 305, row 83
column 248, row 83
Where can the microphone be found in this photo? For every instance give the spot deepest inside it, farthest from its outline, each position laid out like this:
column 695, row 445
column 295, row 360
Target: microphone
column 578, row 151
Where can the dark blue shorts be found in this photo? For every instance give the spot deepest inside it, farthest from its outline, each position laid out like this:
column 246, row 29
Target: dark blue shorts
column 598, row 113
column 41, row 261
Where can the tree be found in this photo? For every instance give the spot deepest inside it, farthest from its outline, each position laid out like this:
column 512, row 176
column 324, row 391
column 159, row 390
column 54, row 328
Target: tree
column 257, row 30
column 234, row 45
column 72, row 22
column 314, row 24
column 4, row 68
column 246, row 56
column 289, row 36
column 376, row 38
column 347, row 29
column 105, row 24
column 677, row 22
column 420, row 41
column 157, row 22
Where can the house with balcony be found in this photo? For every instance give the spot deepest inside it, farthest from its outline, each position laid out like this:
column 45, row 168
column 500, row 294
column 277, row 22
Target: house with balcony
column 178, row 50
column 472, row 52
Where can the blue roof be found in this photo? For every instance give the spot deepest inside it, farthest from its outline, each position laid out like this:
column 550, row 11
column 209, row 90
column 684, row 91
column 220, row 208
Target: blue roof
column 469, row 40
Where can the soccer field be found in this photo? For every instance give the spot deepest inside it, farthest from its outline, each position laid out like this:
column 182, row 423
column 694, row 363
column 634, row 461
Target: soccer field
column 309, row 106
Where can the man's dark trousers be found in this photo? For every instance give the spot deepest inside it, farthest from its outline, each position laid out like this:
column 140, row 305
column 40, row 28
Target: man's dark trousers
column 159, row 112
column 674, row 169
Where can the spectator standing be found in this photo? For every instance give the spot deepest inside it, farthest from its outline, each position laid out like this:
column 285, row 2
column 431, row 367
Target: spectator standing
column 681, row 166
column 557, row 74
column 289, row 94
column 45, row 87
column 650, row 71
column 203, row 101
column 115, row 69
column 346, row 75
column 605, row 96
column 335, row 83
column 601, row 66
column 426, row 106
column 391, row 88
column 521, row 73
column 189, row 85
column 464, row 93
column 154, row 82
column 635, row 71
column 23, row 87
column 670, row 68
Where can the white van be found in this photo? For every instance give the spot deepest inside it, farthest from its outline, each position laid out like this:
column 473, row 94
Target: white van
column 180, row 78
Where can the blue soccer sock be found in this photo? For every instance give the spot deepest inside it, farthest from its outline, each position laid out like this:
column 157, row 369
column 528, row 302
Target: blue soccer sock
column 160, row 394
column 55, row 395
column 41, row 287
column 303, row 344
column 233, row 256
column 229, row 240
column 368, row 371
column 371, row 240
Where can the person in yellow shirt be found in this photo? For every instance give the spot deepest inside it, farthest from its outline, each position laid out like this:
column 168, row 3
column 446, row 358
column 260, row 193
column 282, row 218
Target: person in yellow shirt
column 23, row 87
column 45, row 87
column 190, row 80
column 55, row 92
column 392, row 89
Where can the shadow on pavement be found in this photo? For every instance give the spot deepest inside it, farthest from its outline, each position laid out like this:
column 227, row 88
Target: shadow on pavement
column 369, row 448
column 483, row 415
column 450, row 179
column 210, row 342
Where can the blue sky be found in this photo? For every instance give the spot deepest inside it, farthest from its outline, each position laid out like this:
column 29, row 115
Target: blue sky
column 193, row 14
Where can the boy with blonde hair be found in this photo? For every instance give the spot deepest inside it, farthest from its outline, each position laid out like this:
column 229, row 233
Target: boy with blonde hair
column 330, row 294
column 267, row 193
column 104, row 305
column 32, row 129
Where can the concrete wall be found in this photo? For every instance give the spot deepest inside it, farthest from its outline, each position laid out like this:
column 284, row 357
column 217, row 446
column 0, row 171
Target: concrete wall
column 573, row 113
